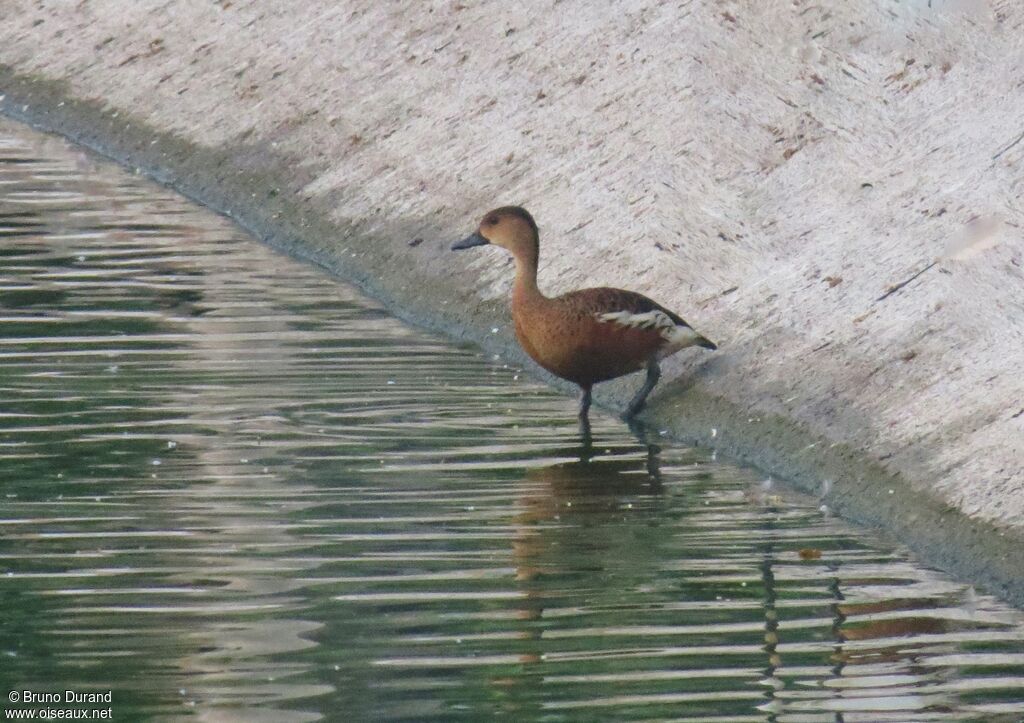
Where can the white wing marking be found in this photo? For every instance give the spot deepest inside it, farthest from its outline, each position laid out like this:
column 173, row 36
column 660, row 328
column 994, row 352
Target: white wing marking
column 678, row 337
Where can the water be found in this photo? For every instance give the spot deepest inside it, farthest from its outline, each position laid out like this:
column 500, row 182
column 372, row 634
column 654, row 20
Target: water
column 231, row 488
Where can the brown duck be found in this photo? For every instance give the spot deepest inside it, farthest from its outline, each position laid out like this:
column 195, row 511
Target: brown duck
column 586, row 336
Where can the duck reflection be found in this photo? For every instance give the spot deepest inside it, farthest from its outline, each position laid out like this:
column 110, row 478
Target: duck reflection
column 578, row 534
column 580, row 506
column 577, row 519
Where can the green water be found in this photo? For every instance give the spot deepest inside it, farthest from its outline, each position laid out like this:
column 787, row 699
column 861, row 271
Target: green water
column 233, row 489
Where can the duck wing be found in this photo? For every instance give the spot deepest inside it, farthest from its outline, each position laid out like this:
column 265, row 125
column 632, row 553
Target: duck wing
column 630, row 309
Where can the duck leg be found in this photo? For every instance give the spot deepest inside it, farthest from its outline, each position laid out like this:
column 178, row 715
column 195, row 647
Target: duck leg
column 584, row 402
column 637, row 403
column 585, row 422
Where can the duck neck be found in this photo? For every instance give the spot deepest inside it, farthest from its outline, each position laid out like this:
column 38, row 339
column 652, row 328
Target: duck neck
column 525, row 288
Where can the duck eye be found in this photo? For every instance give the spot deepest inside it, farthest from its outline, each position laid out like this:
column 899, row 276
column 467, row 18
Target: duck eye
column 491, row 220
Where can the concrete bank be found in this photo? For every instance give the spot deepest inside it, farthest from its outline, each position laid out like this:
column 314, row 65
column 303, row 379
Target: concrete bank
column 831, row 193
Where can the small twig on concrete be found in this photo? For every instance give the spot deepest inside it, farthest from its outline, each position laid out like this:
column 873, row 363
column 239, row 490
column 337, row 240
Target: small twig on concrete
column 579, row 226
column 1016, row 140
column 896, row 287
column 720, row 294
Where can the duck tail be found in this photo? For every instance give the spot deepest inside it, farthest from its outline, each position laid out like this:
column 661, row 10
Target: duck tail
column 706, row 343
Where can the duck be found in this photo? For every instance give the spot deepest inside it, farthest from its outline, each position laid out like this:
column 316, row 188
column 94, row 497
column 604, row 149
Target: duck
column 586, row 336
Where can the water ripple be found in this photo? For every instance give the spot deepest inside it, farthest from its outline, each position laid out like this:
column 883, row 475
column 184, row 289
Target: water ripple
column 233, row 488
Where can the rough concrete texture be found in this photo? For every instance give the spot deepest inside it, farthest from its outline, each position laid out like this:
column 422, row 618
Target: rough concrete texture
column 831, row 191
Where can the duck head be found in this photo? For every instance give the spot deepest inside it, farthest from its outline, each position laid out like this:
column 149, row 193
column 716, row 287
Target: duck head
column 510, row 227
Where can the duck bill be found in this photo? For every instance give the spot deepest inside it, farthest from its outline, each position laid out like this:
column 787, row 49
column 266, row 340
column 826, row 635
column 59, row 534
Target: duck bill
column 474, row 239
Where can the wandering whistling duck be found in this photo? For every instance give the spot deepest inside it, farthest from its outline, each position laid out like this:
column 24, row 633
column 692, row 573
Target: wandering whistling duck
column 586, row 336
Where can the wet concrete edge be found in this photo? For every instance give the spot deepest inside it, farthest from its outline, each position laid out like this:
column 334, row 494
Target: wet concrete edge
column 243, row 184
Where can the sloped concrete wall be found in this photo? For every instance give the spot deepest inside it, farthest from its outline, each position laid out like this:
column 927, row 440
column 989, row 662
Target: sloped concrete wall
column 831, row 191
